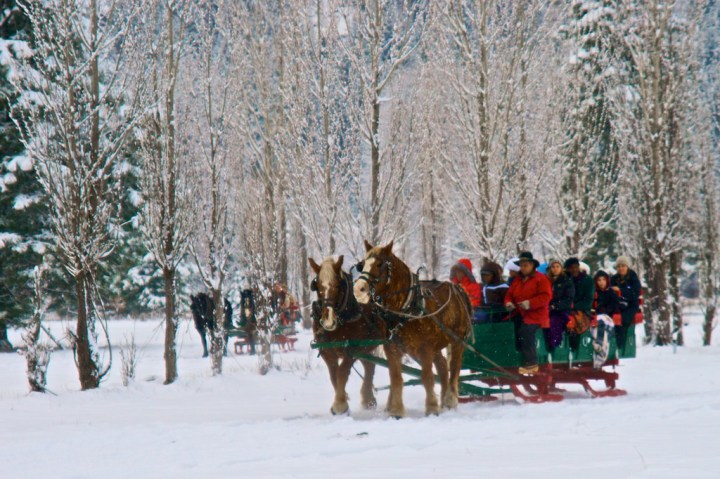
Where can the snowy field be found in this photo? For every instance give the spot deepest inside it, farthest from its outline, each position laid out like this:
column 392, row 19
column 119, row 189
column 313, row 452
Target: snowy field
column 246, row 425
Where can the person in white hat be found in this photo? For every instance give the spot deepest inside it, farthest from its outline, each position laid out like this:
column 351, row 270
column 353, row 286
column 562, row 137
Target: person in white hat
column 513, row 269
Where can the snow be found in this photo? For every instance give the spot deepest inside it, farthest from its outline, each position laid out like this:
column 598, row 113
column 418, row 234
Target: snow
column 242, row 424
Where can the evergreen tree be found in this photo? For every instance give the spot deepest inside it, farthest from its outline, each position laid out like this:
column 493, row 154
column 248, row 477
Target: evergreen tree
column 23, row 210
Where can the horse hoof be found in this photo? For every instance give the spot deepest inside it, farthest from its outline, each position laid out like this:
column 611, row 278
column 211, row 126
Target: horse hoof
column 432, row 411
column 372, row 404
column 205, row 355
column 345, row 412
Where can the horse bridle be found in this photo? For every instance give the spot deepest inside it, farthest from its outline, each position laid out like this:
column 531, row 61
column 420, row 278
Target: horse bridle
column 341, row 305
column 373, row 280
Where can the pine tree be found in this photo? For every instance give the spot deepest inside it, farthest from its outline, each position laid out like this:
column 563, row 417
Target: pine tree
column 23, row 211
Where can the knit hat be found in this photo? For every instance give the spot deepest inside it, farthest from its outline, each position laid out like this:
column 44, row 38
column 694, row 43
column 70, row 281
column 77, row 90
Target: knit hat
column 603, row 274
column 512, row 265
column 553, row 261
column 623, row 260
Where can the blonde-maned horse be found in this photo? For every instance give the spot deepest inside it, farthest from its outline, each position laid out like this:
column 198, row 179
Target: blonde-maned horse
column 429, row 316
column 338, row 317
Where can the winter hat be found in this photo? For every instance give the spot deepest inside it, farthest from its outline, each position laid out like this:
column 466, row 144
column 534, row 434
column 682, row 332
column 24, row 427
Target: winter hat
column 602, row 274
column 512, row 265
column 623, row 260
column 571, row 261
column 466, row 262
column 527, row 256
column 553, row 261
column 584, row 267
column 493, row 269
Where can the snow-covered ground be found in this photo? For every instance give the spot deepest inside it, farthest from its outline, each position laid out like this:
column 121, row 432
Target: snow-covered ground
column 242, row 424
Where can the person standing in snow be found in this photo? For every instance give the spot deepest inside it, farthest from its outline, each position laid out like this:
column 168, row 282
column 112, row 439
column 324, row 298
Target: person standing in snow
column 561, row 304
column 494, row 289
column 461, row 273
column 627, row 284
column 529, row 294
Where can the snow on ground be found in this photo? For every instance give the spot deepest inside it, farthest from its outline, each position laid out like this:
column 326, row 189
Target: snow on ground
column 242, row 424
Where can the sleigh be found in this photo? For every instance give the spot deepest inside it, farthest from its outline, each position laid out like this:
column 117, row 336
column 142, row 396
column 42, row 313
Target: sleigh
column 493, row 361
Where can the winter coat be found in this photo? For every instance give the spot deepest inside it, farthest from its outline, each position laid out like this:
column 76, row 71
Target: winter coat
column 563, row 293
column 630, row 291
column 493, row 293
column 584, row 293
column 606, row 302
column 468, row 283
column 536, row 289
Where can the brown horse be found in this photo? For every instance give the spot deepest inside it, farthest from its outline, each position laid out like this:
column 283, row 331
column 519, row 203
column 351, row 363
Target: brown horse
column 338, row 317
column 425, row 317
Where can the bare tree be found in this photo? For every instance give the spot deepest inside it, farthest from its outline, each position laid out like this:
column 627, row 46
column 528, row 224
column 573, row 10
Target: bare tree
column 662, row 43
column 212, row 105
column 166, row 210
column 501, row 122
column 76, row 115
column 381, row 36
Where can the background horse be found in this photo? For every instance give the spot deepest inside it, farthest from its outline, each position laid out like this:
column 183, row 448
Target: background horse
column 425, row 317
column 338, row 317
column 203, row 310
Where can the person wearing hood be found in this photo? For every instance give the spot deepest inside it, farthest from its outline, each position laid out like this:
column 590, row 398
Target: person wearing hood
column 607, row 300
column 627, row 284
column 461, row 273
column 529, row 294
column 580, row 316
column 561, row 304
column 494, row 288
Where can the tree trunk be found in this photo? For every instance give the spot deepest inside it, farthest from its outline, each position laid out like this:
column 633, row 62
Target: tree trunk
column 87, row 369
column 171, row 324
column 375, row 173
column 677, row 316
column 218, row 337
column 304, row 278
column 660, row 305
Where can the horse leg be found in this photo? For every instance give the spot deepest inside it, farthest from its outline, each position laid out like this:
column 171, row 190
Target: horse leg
column 428, row 379
column 340, row 405
column 455, row 352
column 367, row 397
column 204, row 342
column 441, row 365
column 395, row 407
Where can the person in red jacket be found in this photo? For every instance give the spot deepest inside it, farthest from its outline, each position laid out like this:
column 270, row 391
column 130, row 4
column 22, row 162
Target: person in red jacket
column 461, row 273
column 530, row 295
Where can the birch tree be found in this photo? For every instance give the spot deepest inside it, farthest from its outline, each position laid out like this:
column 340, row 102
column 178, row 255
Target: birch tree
column 76, row 112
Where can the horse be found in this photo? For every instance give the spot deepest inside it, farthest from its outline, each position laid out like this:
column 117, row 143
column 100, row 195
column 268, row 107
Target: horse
column 202, row 306
column 424, row 317
column 338, row 317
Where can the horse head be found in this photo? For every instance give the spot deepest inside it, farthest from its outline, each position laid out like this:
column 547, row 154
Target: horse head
column 376, row 271
column 332, row 288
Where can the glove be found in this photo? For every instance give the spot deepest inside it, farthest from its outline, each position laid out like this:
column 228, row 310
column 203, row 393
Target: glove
column 524, row 305
column 509, row 306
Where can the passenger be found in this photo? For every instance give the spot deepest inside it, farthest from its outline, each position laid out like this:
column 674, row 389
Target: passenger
column 513, row 269
column 606, row 299
column 582, row 303
column 530, row 294
column 461, row 273
column 562, row 300
column 626, row 283
column 493, row 293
